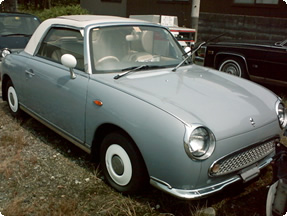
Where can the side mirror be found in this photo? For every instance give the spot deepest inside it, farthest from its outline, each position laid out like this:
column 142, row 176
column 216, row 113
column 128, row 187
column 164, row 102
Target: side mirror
column 69, row 61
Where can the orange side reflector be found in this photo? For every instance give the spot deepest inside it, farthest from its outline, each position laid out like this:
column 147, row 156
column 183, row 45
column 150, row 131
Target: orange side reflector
column 98, row 102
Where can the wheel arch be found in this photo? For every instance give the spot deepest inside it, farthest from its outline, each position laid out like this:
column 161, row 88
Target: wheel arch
column 101, row 132
column 5, row 80
column 220, row 56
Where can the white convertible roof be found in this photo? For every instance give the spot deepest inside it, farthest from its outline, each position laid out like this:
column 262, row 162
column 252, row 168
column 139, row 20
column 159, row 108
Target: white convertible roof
column 84, row 20
column 78, row 21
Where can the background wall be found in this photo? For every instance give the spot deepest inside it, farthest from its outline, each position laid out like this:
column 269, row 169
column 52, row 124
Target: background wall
column 242, row 27
column 229, row 7
column 242, row 21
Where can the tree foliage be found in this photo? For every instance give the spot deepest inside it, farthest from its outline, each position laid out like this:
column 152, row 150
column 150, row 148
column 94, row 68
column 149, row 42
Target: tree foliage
column 56, row 11
column 61, row 11
column 45, row 4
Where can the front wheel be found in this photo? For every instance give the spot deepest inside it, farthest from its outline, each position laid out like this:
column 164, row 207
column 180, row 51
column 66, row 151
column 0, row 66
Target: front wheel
column 122, row 164
column 233, row 66
column 12, row 99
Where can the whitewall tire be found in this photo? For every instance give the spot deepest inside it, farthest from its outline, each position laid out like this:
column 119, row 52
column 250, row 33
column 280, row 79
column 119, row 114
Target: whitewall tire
column 122, row 164
column 233, row 66
column 118, row 165
column 12, row 99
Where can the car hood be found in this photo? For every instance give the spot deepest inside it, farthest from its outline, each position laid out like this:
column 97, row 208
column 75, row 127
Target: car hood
column 194, row 94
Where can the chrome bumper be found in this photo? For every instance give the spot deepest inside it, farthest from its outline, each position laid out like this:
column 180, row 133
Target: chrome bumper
column 200, row 192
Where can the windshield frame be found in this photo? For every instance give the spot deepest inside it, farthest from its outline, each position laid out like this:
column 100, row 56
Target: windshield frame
column 171, row 40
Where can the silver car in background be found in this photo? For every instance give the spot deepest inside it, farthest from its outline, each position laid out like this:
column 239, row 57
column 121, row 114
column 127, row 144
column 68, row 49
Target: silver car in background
column 124, row 91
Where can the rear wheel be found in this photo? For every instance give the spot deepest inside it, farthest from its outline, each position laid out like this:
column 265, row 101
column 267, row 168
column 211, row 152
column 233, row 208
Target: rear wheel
column 12, row 99
column 234, row 66
column 122, row 164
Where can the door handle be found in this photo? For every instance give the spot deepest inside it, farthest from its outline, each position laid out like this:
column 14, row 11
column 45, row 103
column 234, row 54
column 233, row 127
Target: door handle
column 30, row 72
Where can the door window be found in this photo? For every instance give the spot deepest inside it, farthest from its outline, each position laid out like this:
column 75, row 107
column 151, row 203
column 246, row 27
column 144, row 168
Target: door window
column 60, row 41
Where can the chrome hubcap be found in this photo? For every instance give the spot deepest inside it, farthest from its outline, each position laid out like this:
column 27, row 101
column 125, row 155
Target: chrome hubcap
column 231, row 67
column 12, row 101
column 117, row 165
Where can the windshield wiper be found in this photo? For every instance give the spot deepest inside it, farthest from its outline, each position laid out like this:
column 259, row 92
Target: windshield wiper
column 194, row 51
column 16, row 34
column 136, row 68
column 188, row 55
column 130, row 69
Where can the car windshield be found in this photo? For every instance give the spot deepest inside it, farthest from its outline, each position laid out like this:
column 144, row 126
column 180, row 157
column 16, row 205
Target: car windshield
column 123, row 48
column 18, row 25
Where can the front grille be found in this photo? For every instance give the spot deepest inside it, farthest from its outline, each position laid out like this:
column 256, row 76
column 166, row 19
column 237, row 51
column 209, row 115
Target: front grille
column 242, row 158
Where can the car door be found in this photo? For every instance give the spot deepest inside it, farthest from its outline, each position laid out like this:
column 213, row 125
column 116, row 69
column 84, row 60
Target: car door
column 50, row 91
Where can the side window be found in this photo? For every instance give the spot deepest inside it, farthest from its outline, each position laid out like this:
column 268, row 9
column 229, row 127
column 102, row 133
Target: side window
column 60, row 41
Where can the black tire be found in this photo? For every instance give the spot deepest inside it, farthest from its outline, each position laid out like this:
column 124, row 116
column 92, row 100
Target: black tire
column 12, row 99
column 234, row 66
column 122, row 164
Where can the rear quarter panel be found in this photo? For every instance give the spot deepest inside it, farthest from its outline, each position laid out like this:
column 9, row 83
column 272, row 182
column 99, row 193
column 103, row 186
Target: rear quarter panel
column 13, row 66
column 252, row 57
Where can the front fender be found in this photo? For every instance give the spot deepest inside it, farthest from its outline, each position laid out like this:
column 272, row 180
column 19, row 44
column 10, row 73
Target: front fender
column 157, row 134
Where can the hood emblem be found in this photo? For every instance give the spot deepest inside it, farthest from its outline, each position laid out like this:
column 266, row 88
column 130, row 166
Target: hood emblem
column 252, row 122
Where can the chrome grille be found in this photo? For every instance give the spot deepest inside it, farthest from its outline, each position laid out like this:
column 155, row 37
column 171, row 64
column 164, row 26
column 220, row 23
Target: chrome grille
column 242, row 159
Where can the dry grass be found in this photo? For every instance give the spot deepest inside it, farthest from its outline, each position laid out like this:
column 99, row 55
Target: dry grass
column 43, row 174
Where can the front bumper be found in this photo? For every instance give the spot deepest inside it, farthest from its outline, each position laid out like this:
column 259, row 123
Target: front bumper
column 204, row 192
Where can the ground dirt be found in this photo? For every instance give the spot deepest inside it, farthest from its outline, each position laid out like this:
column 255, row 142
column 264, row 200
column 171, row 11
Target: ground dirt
column 43, row 174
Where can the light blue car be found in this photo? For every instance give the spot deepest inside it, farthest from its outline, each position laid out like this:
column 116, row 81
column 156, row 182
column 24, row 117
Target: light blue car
column 124, row 91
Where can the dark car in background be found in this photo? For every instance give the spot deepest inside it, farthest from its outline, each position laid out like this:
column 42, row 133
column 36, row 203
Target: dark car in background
column 15, row 31
column 260, row 61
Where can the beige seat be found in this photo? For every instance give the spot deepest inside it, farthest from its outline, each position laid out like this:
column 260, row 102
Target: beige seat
column 70, row 45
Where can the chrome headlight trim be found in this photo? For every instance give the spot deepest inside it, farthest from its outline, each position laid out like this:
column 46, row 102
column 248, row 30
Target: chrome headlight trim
column 281, row 114
column 199, row 142
column 5, row 52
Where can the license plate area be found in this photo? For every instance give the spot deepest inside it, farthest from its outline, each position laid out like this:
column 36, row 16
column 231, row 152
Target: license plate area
column 250, row 174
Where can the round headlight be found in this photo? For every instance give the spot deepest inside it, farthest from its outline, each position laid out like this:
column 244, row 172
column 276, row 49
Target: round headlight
column 281, row 114
column 5, row 52
column 199, row 142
